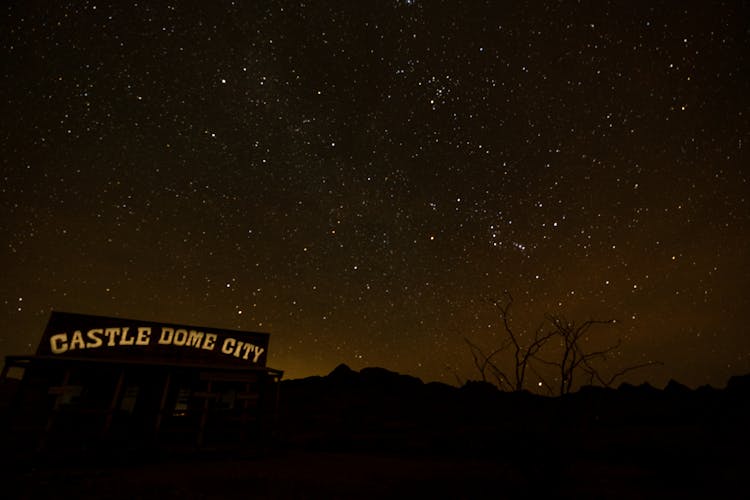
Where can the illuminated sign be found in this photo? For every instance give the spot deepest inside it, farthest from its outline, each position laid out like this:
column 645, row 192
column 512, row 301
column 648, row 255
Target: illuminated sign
column 78, row 335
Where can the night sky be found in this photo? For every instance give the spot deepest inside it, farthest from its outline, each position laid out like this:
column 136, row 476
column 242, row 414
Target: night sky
column 358, row 179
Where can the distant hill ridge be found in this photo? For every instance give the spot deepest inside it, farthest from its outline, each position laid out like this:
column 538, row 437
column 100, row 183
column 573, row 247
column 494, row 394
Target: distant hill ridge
column 377, row 409
column 343, row 375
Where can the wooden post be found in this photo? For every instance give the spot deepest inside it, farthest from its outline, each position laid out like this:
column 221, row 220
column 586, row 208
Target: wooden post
column 113, row 403
column 162, row 404
column 204, row 417
column 53, row 412
column 244, row 417
column 276, row 380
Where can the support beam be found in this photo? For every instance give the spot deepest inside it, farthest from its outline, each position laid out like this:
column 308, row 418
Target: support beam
column 53, row 413
column 113, row 403
column 162, row 404
column 204, row 417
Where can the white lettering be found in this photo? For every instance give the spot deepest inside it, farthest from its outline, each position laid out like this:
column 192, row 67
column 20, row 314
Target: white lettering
column 210, row 342
column 124, row 339
column 144, row 335
column 180, row 337
column 258, row 351
column 112, row 334
column 238, row 350
column 98, row 337
column 166, row 335
column 228, row 345
column 194, row 338
column 94, row 339
column 247, row 348
column 77, row 341
column 58, row 344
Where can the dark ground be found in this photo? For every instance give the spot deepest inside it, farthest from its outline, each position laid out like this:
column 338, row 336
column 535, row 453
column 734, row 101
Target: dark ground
column 302, row 474
column 377, row 434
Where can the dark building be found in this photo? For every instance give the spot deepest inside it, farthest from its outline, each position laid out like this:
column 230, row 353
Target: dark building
column 108, row 382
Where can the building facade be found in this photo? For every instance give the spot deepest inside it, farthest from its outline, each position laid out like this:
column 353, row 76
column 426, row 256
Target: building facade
column 117, row 383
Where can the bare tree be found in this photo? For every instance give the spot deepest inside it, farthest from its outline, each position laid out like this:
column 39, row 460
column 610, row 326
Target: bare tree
column 454, row 371
column 523, row 353
column 570, row 362
column 594, row 375
column 484, row 362
column 575, row 359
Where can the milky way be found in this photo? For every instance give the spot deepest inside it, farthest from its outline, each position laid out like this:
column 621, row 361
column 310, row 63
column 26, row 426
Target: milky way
column 361, row 179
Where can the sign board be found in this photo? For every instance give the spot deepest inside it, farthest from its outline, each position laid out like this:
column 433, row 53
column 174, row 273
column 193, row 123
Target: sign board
column 99, row 337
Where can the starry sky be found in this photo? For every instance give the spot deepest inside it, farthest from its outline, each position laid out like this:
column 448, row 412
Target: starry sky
column 360, row 179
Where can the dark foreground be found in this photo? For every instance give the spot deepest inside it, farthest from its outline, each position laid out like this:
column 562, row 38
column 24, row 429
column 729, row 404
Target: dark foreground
column 376, row 434
column 301, row 474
